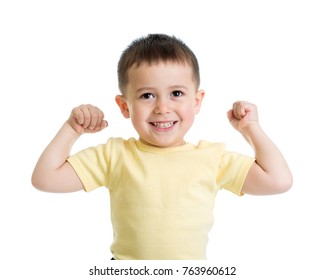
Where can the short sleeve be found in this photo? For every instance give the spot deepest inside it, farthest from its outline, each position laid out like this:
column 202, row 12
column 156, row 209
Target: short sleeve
column 91, row 165
column 233, row 169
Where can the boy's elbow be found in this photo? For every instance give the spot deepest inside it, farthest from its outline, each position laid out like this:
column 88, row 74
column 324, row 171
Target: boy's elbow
column 41, row 182
column 283, row 184
column 56, row 181
column 37, row 183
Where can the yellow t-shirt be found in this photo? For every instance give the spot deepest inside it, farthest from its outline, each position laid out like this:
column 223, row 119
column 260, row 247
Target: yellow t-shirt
column 161, row 198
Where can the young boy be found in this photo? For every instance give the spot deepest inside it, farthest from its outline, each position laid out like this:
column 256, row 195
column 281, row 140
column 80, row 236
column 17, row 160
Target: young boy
column 162, row 189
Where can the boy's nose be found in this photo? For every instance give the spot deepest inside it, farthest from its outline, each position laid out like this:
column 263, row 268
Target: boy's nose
column 162, row 107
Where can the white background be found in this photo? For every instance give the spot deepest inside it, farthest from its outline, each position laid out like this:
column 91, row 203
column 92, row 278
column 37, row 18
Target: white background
column 55, row 55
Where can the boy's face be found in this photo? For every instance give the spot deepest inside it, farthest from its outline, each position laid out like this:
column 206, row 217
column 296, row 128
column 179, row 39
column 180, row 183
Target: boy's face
column 162, row 100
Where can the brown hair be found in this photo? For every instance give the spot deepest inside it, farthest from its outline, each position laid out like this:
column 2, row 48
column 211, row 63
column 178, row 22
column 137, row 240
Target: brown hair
column 154, row 48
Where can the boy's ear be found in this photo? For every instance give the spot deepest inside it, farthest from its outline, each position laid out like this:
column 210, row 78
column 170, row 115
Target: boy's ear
column 198, row 100
column 120, row 101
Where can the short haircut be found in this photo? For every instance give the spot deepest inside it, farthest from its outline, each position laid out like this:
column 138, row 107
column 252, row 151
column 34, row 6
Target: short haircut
column 155, row 48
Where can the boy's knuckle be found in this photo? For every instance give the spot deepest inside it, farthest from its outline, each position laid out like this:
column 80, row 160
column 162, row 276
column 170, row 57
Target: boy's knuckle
column 95, row 115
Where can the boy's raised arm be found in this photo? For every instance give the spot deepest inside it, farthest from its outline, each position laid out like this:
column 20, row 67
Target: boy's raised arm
column 270, row 173
column 52, row 172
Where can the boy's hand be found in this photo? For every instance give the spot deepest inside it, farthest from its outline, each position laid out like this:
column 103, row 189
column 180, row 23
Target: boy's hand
column 87, row 119
column 242, row 115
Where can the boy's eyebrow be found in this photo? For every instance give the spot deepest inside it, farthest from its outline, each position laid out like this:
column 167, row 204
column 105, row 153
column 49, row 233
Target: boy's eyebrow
column 142, row 89
column 178, row 87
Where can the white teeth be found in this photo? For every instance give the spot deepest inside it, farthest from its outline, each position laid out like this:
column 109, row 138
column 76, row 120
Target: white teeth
column 163, row 124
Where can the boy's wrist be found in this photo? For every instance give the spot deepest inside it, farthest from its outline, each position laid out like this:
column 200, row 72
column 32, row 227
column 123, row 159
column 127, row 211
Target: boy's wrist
column 69, row 129
column 251, row 129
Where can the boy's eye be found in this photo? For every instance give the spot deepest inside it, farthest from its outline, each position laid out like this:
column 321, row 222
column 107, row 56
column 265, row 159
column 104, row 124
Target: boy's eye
column 147, row 95
column 177, row 93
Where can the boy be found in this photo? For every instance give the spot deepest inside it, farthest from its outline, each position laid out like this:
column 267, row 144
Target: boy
column 162, row 189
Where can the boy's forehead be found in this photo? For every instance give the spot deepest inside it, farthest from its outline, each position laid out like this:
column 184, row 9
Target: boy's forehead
column 162, row 63
column 159, row 66
column 164, row 74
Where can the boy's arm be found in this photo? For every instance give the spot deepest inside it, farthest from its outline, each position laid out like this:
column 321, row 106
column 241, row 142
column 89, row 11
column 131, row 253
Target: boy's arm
column 52, row 172
column 270, row 173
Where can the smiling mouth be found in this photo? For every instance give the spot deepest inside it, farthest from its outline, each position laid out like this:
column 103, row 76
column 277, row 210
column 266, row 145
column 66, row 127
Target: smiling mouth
column 163, row 125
